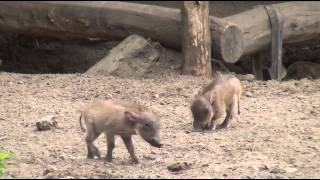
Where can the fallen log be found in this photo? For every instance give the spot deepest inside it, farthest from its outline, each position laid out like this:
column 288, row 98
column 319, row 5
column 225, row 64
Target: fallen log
column 117, row 20
column 301, row 24
column 112, row 21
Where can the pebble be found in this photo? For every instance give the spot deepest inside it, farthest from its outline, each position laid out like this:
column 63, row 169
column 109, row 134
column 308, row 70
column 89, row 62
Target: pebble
column 247, row 77
column 156, row 96
column 290, row 170
column 248, row 94
column 149, row 157
column 254, row 168
column 179, row 166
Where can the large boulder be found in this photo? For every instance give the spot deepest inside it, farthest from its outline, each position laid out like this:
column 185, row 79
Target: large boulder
column 130, row 58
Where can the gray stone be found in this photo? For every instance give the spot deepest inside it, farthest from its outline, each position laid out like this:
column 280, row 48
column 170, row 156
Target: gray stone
column 247, row 77
column 130, row 58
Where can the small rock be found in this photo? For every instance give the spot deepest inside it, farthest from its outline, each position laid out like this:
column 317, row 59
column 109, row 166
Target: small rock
column 69, row 177
column 290, row 170
column 47, row 124
column 305, row 80
column 310, row 137
column 152, row 152
column 49, row 170
column 205, row 165
column 280, row 176
column 277, row 170
column 289, row 88
column 26, row 77
column 247, row 177
column 254, row 168
column 248, row 94
column 304, row 118
column 156, row 96
column 101, row 176
column 149, row 157
column 247, row 77
column 179, row 166
column 51, row 177
column 43, row 126
column 108, row 96
column 273, row 82
column 313, row 112
column 292, row 161
column 264, row 167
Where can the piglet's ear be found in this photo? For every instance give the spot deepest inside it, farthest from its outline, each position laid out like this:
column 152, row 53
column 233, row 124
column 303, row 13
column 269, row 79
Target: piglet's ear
column 196, row 93
column 132, row 116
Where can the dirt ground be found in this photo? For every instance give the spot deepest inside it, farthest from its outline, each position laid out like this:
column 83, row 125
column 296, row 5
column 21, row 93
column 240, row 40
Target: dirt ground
column 277, row 134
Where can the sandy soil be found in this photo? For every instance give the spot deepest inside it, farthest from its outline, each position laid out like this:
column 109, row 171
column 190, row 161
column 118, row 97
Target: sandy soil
column 277, row 134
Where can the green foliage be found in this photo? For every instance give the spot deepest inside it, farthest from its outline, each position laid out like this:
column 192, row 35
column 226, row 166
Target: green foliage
column 3, row 156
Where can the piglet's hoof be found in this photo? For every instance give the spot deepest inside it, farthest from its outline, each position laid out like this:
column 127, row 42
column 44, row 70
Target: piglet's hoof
column 135, row 161
column 223, row 126
column 108, row 160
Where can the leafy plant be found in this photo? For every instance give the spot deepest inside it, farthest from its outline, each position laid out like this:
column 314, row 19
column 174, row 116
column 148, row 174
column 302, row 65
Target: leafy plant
column 3, row 156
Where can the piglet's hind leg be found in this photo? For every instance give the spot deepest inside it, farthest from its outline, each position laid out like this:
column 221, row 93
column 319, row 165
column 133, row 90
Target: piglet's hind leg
column 230, row 113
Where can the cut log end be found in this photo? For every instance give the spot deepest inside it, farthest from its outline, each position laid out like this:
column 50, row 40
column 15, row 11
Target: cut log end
column 231, row 43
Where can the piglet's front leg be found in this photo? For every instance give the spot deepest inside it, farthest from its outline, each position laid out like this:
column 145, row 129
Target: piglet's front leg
column 129, row 145
column 214, row 121
column 213, row 125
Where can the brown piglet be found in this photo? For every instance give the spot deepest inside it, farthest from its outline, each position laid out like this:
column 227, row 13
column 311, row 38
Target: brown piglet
column 113, row 117
column 217, row 100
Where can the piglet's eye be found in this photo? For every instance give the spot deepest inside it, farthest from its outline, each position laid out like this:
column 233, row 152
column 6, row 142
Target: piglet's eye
column 148, row 125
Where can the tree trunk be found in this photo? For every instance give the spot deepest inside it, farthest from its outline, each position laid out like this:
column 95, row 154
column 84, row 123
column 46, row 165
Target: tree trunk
column 196, row 40
column 111, row 21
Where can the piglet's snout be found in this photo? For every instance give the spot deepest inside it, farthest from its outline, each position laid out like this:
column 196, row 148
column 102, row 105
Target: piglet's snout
column 198, row 126
column 155, row 143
